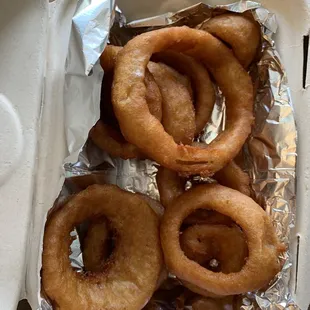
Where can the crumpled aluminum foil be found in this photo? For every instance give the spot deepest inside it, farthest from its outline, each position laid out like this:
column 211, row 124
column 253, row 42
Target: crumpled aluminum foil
column 270, row 152
column 89, row 35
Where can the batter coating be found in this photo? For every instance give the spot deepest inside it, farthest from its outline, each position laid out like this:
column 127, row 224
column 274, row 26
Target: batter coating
column 178, row 110
column 204, row 94
column 240, row 32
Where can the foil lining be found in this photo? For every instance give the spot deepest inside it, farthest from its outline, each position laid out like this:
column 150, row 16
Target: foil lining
column 89, row 35
column 269, row 154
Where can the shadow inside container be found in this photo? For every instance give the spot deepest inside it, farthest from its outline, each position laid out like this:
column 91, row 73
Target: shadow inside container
column 305, row 62
column 23, row 305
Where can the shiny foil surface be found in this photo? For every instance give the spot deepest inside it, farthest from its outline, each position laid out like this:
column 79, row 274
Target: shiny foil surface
column 269, row 154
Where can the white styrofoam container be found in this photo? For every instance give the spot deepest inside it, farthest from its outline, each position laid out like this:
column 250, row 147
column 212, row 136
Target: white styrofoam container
column 23, row 37
column 33, row 44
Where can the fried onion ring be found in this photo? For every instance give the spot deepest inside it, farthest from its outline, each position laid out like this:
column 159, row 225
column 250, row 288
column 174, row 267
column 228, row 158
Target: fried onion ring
column 199, row 76
column 144, row 130
column 238, row 31
column 263, row 245
column 128, row 282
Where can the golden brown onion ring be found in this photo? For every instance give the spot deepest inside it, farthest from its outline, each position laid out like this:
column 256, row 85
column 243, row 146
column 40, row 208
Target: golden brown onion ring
column 153, row 98
column 263, row 245
column 178, row 110
column 144, row 130
column 203, row 88
column 238, row 31
column 128, row 282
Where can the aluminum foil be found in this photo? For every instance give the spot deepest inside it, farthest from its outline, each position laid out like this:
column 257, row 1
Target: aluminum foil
column 89, row 35
column 270, row 152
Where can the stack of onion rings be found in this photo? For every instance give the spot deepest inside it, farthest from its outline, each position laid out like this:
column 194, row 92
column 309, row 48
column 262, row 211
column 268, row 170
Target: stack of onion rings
column 215, row 239
column 204, row 94
column 171, row 87
column 128, row 98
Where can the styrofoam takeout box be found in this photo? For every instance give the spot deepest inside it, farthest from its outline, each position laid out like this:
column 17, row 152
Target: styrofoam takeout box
column 33, row 40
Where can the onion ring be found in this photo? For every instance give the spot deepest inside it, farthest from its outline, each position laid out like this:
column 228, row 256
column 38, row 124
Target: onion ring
column 178, row 110
column 144, row 130
column 199, row 76
column 263, row 246
column 238, row 31
column 178, row 118
column 128, row 282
